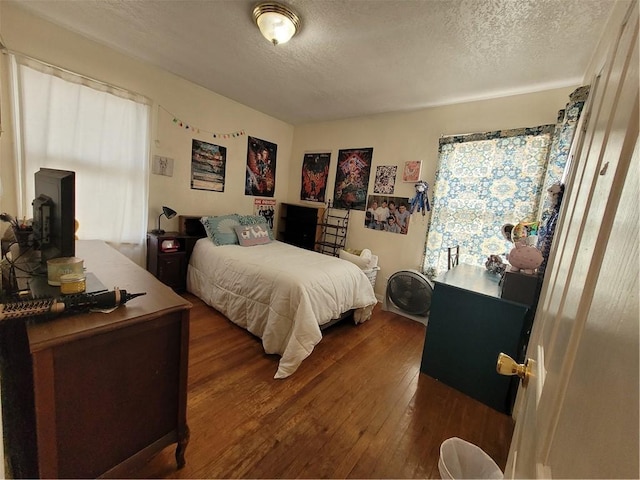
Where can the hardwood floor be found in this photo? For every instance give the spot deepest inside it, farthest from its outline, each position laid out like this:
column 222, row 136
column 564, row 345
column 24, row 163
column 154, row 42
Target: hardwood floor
column 358, row 407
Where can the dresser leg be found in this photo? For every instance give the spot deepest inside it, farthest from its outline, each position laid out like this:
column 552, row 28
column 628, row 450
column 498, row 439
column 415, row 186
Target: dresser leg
column 183, row 441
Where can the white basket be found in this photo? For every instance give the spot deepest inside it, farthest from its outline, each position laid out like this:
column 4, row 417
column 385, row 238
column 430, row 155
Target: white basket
column 371, row 274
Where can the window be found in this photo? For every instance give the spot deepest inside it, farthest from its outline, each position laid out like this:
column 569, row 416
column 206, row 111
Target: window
column 484, row 181
column 70, row 122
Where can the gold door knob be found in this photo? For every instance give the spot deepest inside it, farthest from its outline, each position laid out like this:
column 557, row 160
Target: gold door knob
column 508, row 366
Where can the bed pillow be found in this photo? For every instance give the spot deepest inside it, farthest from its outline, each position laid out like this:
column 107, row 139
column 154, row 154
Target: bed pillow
column 250, row 235
column 256, row 220
column 220, row 229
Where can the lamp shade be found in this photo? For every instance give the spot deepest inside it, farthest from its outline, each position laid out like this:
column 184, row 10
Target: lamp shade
column 168, row 212
column 276, row 22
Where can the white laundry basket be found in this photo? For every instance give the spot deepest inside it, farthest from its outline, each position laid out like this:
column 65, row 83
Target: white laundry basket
column 460, row 459
column 371, row 274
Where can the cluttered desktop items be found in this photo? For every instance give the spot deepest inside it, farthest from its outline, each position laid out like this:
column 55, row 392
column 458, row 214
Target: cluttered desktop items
column 43, row 252
column 46, row 308
column 49, row 235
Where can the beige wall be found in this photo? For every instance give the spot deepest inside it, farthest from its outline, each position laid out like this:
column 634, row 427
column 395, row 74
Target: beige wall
column 395, row 137
column 199, row 107
column 400, row 137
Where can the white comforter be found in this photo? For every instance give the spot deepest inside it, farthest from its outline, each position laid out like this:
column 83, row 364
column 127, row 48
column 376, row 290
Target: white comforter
column 279, row 292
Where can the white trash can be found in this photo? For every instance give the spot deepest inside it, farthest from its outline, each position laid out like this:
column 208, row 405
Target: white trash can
column 460, row 459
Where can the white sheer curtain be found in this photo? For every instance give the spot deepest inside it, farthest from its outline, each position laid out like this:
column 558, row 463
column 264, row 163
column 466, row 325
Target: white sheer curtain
column 70, row 122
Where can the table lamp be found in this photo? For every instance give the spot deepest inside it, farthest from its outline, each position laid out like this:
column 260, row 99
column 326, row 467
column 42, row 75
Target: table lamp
column 167, row 212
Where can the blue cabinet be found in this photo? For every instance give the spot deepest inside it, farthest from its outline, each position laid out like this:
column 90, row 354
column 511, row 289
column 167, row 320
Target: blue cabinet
column 469, row 325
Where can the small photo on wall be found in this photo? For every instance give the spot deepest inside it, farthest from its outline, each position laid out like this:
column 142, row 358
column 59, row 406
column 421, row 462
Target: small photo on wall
column 387, row 214
column 385, row 179
column 352, row 178
column 411, row 172
column 315, row 169
column 265, row 207
column 208, row 165
column 162, row 166
column 261, row 168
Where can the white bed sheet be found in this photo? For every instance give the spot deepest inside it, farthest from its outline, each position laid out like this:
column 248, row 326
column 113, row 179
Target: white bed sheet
column 279, row 293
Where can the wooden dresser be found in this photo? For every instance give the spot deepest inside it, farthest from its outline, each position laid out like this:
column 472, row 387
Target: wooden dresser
column 96, row 394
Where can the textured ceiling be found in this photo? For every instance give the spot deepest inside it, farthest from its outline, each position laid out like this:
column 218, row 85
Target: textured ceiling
column 351, row 57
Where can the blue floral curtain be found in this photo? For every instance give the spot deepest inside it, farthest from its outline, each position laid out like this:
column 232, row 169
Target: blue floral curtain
column 485, row 180
column 558, row 159
column 561, row 143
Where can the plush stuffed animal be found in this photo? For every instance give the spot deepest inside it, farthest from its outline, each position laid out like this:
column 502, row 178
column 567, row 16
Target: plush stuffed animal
column 524, row 258
column 495, row 264
column 548, row 223
column 420, row 201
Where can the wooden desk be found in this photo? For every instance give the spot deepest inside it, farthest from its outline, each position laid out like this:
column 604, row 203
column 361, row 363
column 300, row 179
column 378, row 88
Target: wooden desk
column 95, row 394
column 469, row 325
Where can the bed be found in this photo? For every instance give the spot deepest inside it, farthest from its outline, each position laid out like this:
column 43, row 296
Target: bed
column 280, row 293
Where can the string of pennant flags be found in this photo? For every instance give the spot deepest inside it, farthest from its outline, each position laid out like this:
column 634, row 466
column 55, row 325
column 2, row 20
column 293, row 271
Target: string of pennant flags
column 188, row 126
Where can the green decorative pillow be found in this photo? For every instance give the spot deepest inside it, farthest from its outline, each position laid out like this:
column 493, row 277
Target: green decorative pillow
column 256, row 220
column 250, row 235
column 220, row 229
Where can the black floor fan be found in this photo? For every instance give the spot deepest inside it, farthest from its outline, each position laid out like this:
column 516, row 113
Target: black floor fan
column 409, row 294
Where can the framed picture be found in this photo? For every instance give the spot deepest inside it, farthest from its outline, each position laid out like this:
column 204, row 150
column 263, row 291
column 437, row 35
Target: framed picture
column 162, row 166
column 385, row 179
column 411, row 172
column 315, row 169
column 208, row 165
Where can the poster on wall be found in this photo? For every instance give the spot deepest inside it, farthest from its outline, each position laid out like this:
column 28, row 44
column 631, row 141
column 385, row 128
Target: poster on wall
column 352, row 178
column 385, row 181
column 208, row 165
column 261, row 168
column 265, row 207
column 388, row 214
column 411, row 172
column 315, row 169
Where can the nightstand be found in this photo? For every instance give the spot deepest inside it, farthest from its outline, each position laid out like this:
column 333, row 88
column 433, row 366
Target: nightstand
column 170, row 266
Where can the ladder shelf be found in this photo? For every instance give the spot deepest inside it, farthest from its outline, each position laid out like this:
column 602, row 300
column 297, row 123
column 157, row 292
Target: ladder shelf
column 334, row 227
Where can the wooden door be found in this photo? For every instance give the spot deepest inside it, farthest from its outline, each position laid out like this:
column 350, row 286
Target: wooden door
column 578, row 416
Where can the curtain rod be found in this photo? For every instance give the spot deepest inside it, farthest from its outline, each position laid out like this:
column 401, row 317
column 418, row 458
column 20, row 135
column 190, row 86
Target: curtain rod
column 7, row 51
column 444, row 135
column 547, row 128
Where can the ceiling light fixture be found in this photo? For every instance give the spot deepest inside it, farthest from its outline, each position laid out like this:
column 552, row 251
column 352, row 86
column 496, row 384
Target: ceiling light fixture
column 276, row 22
